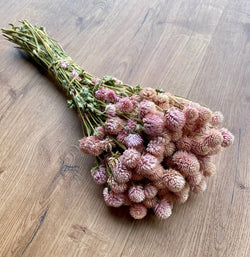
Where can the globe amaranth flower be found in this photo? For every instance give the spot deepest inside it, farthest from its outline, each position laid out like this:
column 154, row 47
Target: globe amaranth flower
column 175, row 119
column 153, row 124
column 113, row 199
column 133, row 141
column 114, row 125
column 138, row 211
column 173, row 180
column 125, row 105
column 150, row 191
column 146, row 107
column 136, row 194
column 163, row 209
column 217, row 118
column 99, row 175
column 115, row 186
column 201, row 187
column 150, row 203
column 91, row 145
column 228, row 137
column 130, row 158
column 148, row 93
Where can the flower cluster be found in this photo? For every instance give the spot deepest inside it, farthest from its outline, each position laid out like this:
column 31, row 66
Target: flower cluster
column 154, row 150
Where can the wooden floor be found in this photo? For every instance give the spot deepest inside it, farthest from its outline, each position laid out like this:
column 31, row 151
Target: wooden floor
column 49, row 205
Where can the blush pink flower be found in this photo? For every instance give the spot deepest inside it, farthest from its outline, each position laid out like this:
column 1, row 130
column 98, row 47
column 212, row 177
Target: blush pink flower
column 163, row 209
column 130, row 158
column 114, row 125
column 73, row 74
column 150, row 191
column 162, row 101
column 186, row 162
column 194, row 179
column 191, row 114
column 215, row 150
column 146, row 107
column 228, row 137
column 136, row 194
column 133, row 141
column 91, row 145
column 95, row 81
column 182, row 196
column 205, row 115
column 169, row 149
column 156, row 148
column 108, row 144
column 110, row 96
column 176, row 135
column 99, row 175
column 121, row 173
column 209, row 170
column 113, row 199
column 121, row 136
column 150, row 203
column 201, row 187
column 131, row 126
column 138, row 211
column 101, row 93
column 101, row 132
column 213, row 138
column 153, row 124
column 111, row 110
column 184, row 144
column 173, row 180
column 115, row 186
column 217, row 118
column 64, row 65
column 147, row 164
column 159, row 184
column 198, row 146
column 148, row 93
column 175, row 119
column 125, row 105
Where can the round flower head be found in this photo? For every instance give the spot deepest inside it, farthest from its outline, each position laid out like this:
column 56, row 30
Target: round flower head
column 115, row 186
column 100, row 132
column 95, row 81
column 159, row 184
column 113, row 199
column 111, row 110
column 176, row 135
column 108, row 144
column 228, row 137
column 198, row 146
column 99, row 175
column 215, row 150
column 191, row 114
column 146, row 107
column 133, row 141
column 64, row 65
column 150, row 203
column 135, row 99
column 121, row 173
column 156, row 173
column 131, row 126
column 136, row 194
column 186, row 162
column 138, row 211
column 156, row 148
column 169, row 149
column 147, row 164
column 213, row 138
column 125, row 105
column 153, row 124
column 163, row 209
column 175, row 119
column 114, row 125
column 130, row 158
column 182, row 196
column 184, row 144
column 101, row 94
column 148, row 93
column 209, row 169
column 201, row 187
column 91, row 145
column 173, row 180
column 162, row 101
column 73, row 74
column 194, row 179
column 205, row 115
column 110, row 96
column 217, row 119
column 150, row 191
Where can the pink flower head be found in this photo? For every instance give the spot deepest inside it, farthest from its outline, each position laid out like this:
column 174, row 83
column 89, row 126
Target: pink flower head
column 125, row 105
column 186, row 162
column 147, row 164
column 110, row 96
column 205, row 115
column 173, row 180
column 198, row 146
column 136, row 194
column 114, row 125
column 215, row 150
column 153, row 124
column 162, row 101
column 156, row 148
column 182, row 196
column 121, row 173
column 213, row 138
column 150, row 203
column 156, row 173
column 101, row 132
column 169, row 149
column 73, row 74
column 194, row 179
column 175, row 119
column 133, row 141
column 64, row 65
column 111, row 110
column 146, row 107
column 115, row 186
column 101, row 93
column 176, row 135
column 191, row 114
column 150, row 191
column 113, row 199
column 184, row 144
column 138, row 211
column 130, row 158
column 148, row 93
column 209, row 169
column 163, row 209
column 228, row 137
column 108, row 144
column 217, row 118
column 131, row 126
column 91, row 145
column 159, row 184
column 99, row 175
column 135, row 99
column 95, row 80
column 201, row 187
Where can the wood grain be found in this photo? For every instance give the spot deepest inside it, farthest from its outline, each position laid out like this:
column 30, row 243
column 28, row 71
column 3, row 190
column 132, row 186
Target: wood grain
column 49, row 205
